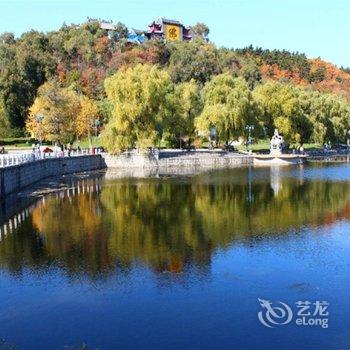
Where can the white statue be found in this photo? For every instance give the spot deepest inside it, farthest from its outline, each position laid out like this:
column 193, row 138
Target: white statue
column 276, row 144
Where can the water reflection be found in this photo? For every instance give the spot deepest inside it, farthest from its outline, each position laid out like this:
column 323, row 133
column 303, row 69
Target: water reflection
column 99, row 227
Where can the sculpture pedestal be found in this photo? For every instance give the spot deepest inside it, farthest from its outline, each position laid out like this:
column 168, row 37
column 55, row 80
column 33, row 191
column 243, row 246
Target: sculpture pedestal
column 275, row 152
column 285, row 159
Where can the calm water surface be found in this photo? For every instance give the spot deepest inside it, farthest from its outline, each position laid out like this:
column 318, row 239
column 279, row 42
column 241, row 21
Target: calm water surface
column 179, row 262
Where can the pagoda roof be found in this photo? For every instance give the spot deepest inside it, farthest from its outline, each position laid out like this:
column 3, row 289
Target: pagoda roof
column 162, row 20
column 171, row 21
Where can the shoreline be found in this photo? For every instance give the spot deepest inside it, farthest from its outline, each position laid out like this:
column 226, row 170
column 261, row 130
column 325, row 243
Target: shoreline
column 16, row 179
column 90, row 181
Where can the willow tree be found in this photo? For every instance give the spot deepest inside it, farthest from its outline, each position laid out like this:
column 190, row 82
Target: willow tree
column 138, row 96
column 283, row 108
column 341, row 120
column 228, row 106
column 184, row 104
column 319, row 108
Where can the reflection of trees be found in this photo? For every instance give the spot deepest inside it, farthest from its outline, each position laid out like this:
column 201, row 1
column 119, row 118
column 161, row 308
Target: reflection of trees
column 165, row 224
column 155, row 223
column 23, row 248
column 226, row 213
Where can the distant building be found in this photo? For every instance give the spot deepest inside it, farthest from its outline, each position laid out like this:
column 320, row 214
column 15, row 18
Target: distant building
column 137, row 36
column 169, row 30
column 161, row 29
column 107, row 25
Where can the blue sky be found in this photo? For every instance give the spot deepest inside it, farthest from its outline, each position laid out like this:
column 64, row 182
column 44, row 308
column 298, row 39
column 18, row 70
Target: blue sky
column 315, row 27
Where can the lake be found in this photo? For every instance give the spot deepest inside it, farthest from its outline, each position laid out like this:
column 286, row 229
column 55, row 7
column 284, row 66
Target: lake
column 249, row 258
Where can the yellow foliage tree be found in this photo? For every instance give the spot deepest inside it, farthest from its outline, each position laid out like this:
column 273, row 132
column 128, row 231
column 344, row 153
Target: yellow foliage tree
column 87, row 117
column 53, row 114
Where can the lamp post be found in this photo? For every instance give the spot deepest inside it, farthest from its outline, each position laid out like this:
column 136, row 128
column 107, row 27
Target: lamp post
column 39, row 118
column 250, row 128
column 213, row 136
column 97, row 124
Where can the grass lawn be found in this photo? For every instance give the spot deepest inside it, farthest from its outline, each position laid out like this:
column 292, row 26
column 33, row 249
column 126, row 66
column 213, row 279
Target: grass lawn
column 312, row 146
column 260, row 146
column 84, row 143
column 16, row 142
column 26, row 143
column 264, row 146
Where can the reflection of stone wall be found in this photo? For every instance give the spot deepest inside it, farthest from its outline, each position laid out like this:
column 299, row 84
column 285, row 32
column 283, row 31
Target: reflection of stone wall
column 14, row 178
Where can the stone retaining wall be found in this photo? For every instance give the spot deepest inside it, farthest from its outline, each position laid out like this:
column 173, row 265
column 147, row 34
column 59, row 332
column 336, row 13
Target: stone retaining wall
column 16, row 177
column 206, row 162
column 131, row 160
column 177, row 160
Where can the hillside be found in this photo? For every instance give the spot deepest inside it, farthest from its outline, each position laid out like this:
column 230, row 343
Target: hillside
column 82, row 56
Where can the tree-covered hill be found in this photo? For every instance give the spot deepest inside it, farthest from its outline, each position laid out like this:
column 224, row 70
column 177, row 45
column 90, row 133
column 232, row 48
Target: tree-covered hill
column 81, row 57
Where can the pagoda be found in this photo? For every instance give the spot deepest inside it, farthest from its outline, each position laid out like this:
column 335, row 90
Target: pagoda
column 168, row 30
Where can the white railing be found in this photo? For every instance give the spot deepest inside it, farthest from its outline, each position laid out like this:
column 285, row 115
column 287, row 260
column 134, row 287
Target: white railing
column 20, row 158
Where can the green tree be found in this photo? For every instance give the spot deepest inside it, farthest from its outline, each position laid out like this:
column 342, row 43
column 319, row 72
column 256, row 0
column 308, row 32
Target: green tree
column 138, row 96
column 120, row 32
column 184, row 104
column 252, row 75
column 201, row 30
column 7, row 38
column 228, row 106
column 25, row 65
column 319, row 109
column 282, row 108
column 4, row 121
column 196, row 60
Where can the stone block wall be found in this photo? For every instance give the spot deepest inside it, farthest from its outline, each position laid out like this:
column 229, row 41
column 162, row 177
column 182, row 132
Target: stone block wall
column 177, row 160
column 16, row 177
column 131, row 160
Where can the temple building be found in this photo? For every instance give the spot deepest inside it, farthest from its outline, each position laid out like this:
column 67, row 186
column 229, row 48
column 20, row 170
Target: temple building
column 161, row 29
column 169, row 30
